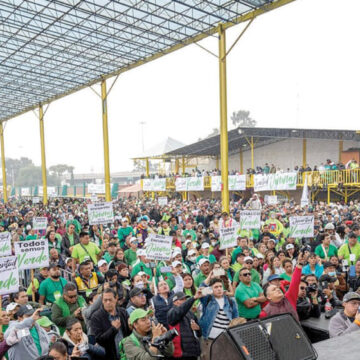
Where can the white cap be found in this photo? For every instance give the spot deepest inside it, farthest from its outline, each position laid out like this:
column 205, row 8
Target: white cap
column 177, row 251
column 188, row 241
column 260, row 256
column 329, row 226
column 67, row 260
column 124, row 219
column 28, row 227
column 11, row 306
column 102, row 262
column 191, row 252
column 133, row 239
column 175, row 263
column 248, row 258
column 203, row 261
column 141, row 273
column 273, row 240
column 205, row 245
column 289, row 246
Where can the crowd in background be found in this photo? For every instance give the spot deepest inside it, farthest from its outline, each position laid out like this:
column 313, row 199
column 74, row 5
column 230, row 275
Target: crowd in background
column 101, row 298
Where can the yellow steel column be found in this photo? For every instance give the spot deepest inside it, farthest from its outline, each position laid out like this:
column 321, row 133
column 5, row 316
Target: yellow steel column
column 252, row 153
column 106, row 140
column 304, row 153
column 224, row 147
column 147, row 167
column 341, row 148
column 241, row 162
column 43, row 157
column 183, row 165
column 176, row 166
column 328, row 195
column 3, row 163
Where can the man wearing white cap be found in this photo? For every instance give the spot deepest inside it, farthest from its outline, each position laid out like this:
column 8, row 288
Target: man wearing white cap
column 142, row 265
column 130, row 254
column 205, row 254
column 124, row 231
column 103, row 267
column 191, row 260
column 204, row 265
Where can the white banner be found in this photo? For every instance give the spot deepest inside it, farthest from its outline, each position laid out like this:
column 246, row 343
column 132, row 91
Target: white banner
column 279, row 181
column 9, row 275
column 228, row 237
column 271, row 199
column 215, row 183
column 96, row 188
column 5, row 243
column 100, row 213
column 181, row 184
column 25, row 191
column 190, row 184
column 154, row 184
column 51, row 191
column 250, row 219
column 158, row 247
column 40, row 223
column 32, row 254
column 35, row 200
column 163, row 201
column 236, row 183
column 301, row 226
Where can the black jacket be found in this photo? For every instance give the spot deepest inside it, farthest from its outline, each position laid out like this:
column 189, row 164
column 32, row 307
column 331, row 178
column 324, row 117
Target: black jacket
column 65, row 243
column 306, row 309
column 190, row 345
column 105, row 333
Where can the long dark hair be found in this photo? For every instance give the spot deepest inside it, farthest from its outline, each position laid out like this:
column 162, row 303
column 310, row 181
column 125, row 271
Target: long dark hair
column 193, row 289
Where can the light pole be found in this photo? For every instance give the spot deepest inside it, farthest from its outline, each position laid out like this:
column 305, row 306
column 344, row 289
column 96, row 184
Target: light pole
column 142, row 123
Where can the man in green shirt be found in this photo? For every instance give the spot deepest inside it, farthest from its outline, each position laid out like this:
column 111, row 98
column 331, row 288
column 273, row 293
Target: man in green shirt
column 248, row 295
column 85, row 249
column 248, row 263
column 142, row 265
column 351, row 250
column 111, row 251
column 52, row 288
column 326, row 250
column 124, row 231
column 204, row 265
column 189, row 230
column 130, row 254
column 205, row 254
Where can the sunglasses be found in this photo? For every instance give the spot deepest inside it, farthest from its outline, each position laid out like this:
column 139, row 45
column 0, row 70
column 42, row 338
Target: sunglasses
column 246, row 274
column 248, row 262
column 71, row 296
column 302, row 288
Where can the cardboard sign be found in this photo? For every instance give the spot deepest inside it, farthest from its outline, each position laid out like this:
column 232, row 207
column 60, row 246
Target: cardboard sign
column 163, row 201
column 32, row 254
column 250, row 219
column 5, row 243
column 9, row 275
column 154, row 184
column 100, row 213
column 228, row 237
column 40, row 223
column 158, row 247
column 301, row 226
column 279, row 181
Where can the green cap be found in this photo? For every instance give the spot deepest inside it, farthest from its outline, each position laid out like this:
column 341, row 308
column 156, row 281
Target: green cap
column 138, row 314
column 44, row 322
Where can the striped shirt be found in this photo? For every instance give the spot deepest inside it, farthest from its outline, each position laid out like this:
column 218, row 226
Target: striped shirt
column 221, row 321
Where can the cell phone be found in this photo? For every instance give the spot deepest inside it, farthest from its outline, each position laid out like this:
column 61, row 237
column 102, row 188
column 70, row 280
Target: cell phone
column 218, row 272
column 207, row 291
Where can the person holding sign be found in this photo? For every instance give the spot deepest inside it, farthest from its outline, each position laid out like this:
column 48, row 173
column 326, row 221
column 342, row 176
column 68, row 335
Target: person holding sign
column 85, row 249
column 52, row 288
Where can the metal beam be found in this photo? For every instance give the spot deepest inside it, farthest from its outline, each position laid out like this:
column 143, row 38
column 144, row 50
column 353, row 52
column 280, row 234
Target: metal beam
column 241, row 161
column 304, row 153
column 224, row 146
column 341, row 149
column 43, row 157
column 147, row 167
column 106, row 140
column 5, row 197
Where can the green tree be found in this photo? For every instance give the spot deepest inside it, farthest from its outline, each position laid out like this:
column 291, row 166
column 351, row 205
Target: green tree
column 241, row 118
column 32, row 176
column 13, row 167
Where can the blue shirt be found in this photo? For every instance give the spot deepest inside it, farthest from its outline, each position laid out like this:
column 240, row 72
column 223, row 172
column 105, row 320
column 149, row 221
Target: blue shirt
column 319, row 269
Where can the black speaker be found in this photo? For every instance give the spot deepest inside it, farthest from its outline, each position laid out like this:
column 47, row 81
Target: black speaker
column 279, row 337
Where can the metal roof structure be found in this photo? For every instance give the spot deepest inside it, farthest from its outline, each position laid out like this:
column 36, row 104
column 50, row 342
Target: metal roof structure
column 239, row 138
column 50, row 49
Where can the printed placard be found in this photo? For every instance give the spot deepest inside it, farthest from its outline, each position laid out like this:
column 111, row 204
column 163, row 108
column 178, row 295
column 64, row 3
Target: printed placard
column 280, row 181
column 158, row 184
column 100, row 213
column 9, row 275
column 271, row 199
column 51, row 191
column 163, row 201
column 32, row 254
column 236, row 183
column 25, row 191
column 301, row 226
column 195, row 183
column 181, row 184
column 96, row 188
column 228, row 237
column 5, row 243
column 35, row 200
column 250, row 219
column 40, row 223
column 158, row 247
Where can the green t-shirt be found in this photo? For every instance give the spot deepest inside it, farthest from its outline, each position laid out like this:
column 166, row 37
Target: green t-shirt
column 123, row 233
column 31, row 237
column 211, row 258
column 285, row 276
column 331, row 251
column 52, row 290
column 108, row 257
column 244, row 292
column 80, row 253
column 130, row 256
column 345, row 253
column 255, row 276
column 35, row 335
column 142, row 267
column 71, row 239
column 199, row 278
column 191, row 232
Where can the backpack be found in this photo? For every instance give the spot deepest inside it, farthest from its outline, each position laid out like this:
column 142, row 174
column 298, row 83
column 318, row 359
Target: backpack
column 121, row 346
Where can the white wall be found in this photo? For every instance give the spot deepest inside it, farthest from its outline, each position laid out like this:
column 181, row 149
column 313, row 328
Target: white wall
column 288, row 154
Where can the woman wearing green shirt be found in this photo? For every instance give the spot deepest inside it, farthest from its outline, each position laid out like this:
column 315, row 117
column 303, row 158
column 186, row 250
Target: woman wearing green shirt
column 288, row 267
column 326, row 250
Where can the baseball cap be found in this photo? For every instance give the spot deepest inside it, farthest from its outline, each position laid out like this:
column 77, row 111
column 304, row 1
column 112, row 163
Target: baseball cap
column 44, row 321
column 124, row 219
column 177, row 251
column 351, row 296
column 191, row 252
column 101, row 262
column 260, row 256
column 329, row 226
column 138, row 314
column 205, row 245
column 274, row 277
column 179, row 296
column 12, row 306
column 135, row 292
column 133, row 239
column 67, row 260
column 203, row 261
column 248, row 258
column 141, row 273
column 175, row 263
column 273, row 240
column 289, row 246
column 24, row 310
column 188, row 241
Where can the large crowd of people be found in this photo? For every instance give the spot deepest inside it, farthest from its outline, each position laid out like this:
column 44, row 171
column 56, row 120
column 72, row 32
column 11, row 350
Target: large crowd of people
column 102, row 298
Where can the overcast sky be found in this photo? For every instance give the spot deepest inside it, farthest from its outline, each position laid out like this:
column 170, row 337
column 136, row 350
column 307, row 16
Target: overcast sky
column 297, row 66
